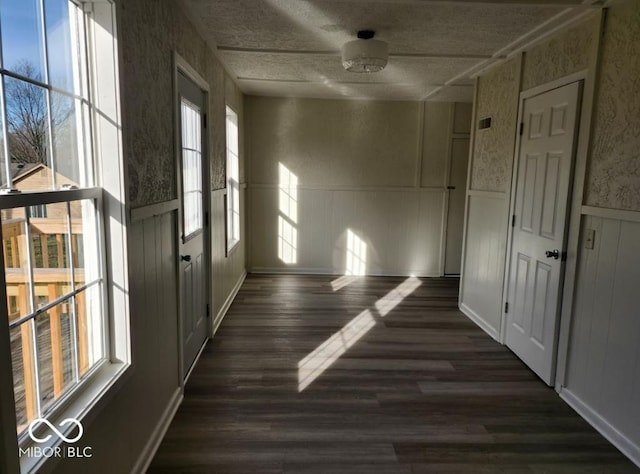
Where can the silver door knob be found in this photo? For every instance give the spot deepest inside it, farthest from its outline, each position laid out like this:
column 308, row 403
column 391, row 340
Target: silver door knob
column 555, row 253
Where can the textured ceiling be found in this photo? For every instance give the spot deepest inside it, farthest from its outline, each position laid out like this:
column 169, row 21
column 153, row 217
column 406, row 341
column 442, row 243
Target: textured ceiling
column 292, row 47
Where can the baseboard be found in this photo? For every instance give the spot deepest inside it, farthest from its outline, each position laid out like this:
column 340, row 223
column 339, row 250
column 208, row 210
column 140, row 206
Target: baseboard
column 225, row 307
column 473, row 316
column 615, row 437
column 157, row 436
column 195, row 362
column 330, row 272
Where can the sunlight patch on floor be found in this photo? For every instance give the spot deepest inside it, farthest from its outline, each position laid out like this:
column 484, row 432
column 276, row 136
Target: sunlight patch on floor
column 312, row 366
column 325, row 355
column 392, row 299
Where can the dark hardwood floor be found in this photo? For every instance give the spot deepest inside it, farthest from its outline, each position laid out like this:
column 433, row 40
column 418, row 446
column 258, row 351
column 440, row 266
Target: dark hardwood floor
column 383, row 375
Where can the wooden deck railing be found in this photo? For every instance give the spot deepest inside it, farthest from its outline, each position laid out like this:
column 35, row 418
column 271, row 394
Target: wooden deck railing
column 51, row 280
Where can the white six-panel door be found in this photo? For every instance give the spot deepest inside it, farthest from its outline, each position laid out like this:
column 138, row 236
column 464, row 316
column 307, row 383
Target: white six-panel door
column 542, row 189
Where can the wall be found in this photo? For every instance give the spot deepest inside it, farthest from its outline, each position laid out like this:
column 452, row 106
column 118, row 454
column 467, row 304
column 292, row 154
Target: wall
column 603, row 381
column 602, row 329
column 486, row 218
column 124, row 432
column 614, row 168
column 492, row 162
column 376, row 169
column 228, row 270
column 603, row 370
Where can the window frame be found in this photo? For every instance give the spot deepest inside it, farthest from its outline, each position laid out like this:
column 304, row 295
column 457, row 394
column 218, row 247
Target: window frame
column 233, row 235
column 100, row 50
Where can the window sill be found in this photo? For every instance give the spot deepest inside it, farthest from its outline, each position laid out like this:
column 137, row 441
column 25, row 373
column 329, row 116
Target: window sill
column 84, row 405
column 233, row 245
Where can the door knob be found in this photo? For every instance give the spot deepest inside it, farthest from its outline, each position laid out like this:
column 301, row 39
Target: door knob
column 185, row 258
column 555, row 253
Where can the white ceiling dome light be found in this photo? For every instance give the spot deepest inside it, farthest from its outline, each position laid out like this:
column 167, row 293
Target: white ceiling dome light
column 365, row 54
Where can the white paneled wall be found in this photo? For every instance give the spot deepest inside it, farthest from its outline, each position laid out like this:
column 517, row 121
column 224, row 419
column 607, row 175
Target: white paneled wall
column 228, row 271
column 484, row 257
column 401, row 229
column 603, row 372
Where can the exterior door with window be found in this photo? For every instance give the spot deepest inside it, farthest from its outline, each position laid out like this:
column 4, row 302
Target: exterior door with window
column 542, row 190
column 192, row 238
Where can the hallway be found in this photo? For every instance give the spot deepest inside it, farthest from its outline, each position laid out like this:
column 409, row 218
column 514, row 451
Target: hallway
column 368, row 374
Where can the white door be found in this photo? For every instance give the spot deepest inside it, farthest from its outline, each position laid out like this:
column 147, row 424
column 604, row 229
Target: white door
column 542, row 190
column 193, row 273
column 455, row 214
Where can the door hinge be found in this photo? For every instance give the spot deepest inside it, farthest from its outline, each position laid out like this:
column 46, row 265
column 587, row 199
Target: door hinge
column 506, row 307
column 208, row 311
column 521, row 128
column 513, row 220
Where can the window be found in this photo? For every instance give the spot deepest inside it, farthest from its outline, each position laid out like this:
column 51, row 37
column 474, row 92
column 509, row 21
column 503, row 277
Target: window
column 54, row 130
column 191, row 168
column 233, row 180
column 38, row 211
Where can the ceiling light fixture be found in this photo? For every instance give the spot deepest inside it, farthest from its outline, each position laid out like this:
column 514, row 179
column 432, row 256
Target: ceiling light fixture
column 365, row 54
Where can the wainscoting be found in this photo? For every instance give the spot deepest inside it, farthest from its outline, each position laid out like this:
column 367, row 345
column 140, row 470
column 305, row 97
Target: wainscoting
column 484, row 258
column 228, row 267
column 154, row 321
column 603, row 372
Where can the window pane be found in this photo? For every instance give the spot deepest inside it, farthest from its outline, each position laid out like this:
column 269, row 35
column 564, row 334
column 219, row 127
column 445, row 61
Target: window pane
column 22, row 50
column 236, row 212
column 55, row 353
column 62, row 36
column 90, row 329
column 233, row 178
column 67, row 148
column 84, row 241
column 28, row 138
column 24, row 382
column 229, row 216
column 232, row 131
column 50, row 257
column 5, row 174
column 14, row 242
column 191, row 168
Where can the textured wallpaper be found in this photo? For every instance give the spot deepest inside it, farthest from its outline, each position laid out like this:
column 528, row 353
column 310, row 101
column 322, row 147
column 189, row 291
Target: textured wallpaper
column 613, row 179
column 493, row 152
column 150, row 31
column 333, row 142
column 217, row 124
column 565, row 54
column 145, row 63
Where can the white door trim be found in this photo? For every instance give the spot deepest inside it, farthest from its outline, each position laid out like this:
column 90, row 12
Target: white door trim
column 180, row 65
